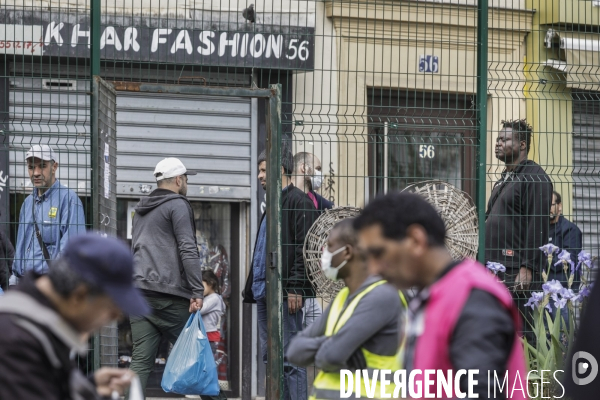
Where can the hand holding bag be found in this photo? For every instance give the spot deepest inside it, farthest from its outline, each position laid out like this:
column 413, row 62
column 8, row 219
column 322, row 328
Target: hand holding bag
column 191, row 368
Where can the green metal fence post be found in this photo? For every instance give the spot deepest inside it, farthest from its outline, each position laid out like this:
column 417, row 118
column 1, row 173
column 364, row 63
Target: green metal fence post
column 95, row 7
column 274, row 294
column 95, row 37
column 482, row 71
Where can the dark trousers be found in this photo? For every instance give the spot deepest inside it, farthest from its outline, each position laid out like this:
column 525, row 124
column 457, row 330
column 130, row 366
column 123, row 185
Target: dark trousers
column 221, row 395
column 295, row 385
column 521, row 297
column 167, row 319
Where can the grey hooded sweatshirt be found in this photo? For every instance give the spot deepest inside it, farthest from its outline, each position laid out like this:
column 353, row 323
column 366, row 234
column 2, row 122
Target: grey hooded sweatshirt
column 164, row 246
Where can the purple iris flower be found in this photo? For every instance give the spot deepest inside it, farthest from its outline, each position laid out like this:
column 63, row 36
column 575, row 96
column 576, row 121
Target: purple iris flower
column 584, row 258
column 535, row 299
column 549, row 249
column 552, row 287
column 561, row 303
column 565, row 257
column 567, row 294
column 584, row 292
column 495, row 267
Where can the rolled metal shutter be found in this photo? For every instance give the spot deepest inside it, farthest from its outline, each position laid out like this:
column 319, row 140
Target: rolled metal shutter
column 586, row 170
column 54, row 112
column 209, row 134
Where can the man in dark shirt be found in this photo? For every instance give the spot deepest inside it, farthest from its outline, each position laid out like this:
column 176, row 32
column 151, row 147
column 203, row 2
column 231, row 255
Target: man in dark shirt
column 566, row 236
column 297, row 216
column 517, row 215
column 479, row 323
column 7, row 255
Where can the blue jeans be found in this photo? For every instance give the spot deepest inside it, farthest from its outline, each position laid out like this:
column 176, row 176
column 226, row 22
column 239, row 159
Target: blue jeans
column 294, row 383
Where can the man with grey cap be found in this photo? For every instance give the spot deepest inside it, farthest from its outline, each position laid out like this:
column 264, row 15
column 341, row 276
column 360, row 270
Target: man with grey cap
column 49, row 216
column 167, row 264
column 47, row 319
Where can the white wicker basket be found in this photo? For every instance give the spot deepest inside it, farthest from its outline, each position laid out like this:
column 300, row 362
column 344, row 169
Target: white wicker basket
column 458, row 212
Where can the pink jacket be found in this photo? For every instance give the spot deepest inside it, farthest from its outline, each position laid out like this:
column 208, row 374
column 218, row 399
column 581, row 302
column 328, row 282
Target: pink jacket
column 447, row 299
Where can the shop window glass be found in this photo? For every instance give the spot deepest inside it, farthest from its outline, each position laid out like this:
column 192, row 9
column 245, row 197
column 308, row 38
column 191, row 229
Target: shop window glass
column 214, row 227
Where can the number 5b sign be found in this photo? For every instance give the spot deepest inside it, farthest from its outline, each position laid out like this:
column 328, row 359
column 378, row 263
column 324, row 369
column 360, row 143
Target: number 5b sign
column 430, row 64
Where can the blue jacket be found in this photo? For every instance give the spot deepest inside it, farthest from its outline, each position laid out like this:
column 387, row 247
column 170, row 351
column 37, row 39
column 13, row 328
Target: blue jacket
column 59, row 215
column 567, row 236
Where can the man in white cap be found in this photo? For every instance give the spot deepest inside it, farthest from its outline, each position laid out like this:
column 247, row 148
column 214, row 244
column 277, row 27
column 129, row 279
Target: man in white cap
column 167, row 264
column 49, row 216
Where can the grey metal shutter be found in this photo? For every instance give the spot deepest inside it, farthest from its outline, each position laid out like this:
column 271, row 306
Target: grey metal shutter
column 586, row 167
column 54, row 112
column 211, row 135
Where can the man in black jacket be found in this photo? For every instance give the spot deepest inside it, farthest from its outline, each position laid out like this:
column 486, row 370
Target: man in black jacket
column 7, row 255
column 566, row 236
column 47, row 319
column 297, row 216
column 517, row 220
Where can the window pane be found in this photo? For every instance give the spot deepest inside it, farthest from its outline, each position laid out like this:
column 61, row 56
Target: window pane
column 415, row 156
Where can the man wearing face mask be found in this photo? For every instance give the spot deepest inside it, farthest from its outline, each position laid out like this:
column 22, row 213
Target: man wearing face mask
column 308, row 177
column 353, row 333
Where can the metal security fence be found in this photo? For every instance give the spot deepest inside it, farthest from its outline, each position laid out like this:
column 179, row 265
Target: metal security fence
column 385, row 94
column 57, row 113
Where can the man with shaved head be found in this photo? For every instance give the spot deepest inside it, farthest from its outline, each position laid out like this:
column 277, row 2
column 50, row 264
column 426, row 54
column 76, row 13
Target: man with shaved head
column 308, row 177
column 369, row 338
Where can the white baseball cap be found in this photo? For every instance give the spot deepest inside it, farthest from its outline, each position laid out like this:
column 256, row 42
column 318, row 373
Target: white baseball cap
column 41, row 151
column 169, row 168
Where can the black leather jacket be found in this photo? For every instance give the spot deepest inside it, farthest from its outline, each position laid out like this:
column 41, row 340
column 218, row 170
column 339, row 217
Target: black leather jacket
column 298, row 214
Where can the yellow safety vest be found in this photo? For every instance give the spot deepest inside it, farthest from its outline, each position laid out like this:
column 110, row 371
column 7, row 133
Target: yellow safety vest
column 327, row 384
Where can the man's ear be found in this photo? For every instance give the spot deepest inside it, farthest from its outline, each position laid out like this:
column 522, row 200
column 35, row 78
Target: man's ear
column 419, row 237
column 54, row 167
column 523, row 145
column 350, row 250
column 306, row 169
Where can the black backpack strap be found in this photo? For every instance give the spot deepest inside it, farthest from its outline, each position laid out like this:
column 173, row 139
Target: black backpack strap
column 38, row 234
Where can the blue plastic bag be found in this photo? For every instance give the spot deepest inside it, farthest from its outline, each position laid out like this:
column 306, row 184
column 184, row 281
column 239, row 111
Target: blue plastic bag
column 191, row 368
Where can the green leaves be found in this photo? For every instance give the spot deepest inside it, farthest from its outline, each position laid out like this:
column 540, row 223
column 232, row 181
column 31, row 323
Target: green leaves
column 553, row 338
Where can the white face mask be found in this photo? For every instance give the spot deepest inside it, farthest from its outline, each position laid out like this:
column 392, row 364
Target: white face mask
column 316, row 180
column 329, row 271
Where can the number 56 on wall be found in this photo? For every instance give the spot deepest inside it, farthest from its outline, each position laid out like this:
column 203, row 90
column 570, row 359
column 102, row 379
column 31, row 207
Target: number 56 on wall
column 429, row 64
column 426, row 151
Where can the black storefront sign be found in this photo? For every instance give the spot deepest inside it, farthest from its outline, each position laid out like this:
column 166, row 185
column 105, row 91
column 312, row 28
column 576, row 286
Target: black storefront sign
column 240, row 45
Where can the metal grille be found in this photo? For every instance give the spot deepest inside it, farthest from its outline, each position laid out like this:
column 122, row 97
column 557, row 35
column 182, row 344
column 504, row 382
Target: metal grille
column 104, row 112
column 385, row 93
column 105, row 108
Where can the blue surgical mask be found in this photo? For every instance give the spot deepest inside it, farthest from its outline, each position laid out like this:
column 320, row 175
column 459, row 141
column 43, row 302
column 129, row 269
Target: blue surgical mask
column 316, row 180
